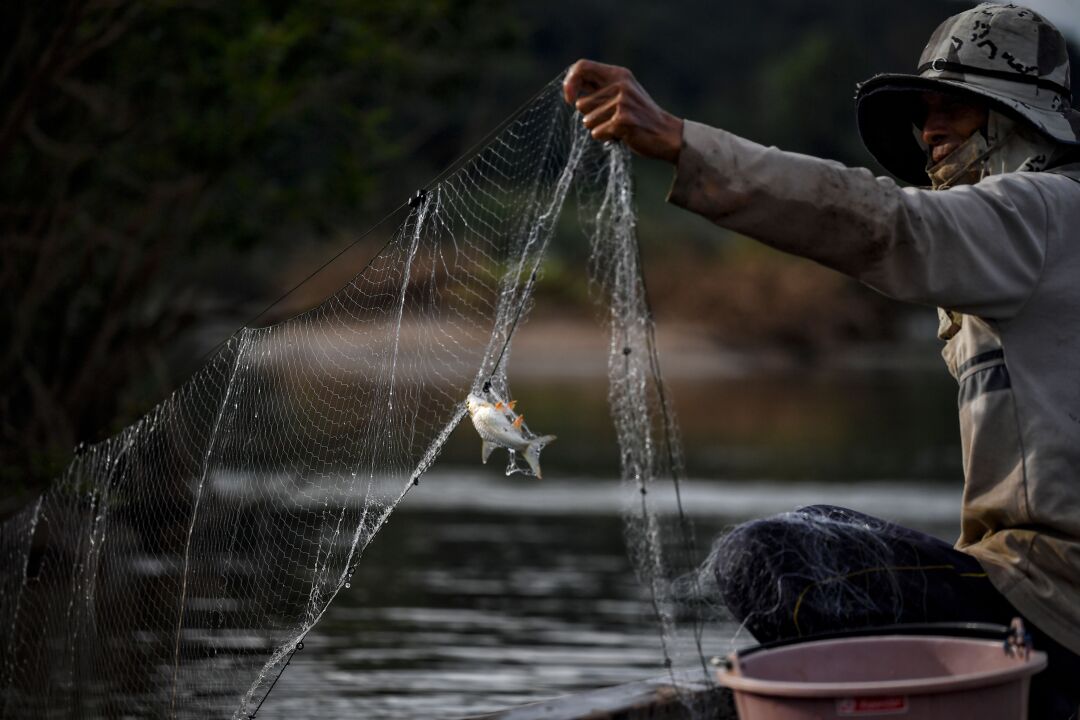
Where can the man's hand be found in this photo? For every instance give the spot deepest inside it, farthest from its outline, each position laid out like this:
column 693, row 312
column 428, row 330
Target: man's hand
column 616, row 107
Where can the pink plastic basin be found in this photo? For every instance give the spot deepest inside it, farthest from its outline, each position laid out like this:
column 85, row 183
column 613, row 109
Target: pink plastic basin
column 913, row 676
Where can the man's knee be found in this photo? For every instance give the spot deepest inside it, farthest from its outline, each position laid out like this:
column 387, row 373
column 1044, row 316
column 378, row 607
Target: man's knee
column 742, row 556
column 756, row 540
column 750, row 560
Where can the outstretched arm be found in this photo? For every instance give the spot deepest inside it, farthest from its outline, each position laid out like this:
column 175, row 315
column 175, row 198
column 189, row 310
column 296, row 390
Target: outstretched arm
column 616, row 107
column 978, row 249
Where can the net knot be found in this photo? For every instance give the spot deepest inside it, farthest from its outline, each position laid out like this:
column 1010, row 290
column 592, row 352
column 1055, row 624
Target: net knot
column 415, row 200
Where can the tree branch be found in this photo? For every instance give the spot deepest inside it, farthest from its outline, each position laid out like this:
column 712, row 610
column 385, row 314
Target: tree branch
column 41, row 78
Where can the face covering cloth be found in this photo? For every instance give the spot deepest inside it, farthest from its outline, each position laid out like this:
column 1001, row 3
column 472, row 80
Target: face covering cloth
column 1005, row 146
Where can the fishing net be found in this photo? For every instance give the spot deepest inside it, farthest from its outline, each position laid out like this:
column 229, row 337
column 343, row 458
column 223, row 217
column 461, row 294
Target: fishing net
column 173, row 570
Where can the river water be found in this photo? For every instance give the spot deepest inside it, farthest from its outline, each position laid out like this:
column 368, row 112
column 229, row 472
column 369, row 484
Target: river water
column 484, row 592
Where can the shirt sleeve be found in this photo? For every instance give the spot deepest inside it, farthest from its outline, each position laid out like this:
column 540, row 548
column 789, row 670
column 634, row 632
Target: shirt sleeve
column 976, row 249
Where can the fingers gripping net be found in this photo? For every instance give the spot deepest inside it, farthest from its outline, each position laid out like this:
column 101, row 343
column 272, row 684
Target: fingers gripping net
column 172, row 570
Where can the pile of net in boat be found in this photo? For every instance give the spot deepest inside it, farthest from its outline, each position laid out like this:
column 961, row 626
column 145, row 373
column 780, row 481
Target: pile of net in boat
column 172, row 570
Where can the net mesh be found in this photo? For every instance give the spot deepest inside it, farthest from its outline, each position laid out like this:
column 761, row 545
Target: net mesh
column 173, row 569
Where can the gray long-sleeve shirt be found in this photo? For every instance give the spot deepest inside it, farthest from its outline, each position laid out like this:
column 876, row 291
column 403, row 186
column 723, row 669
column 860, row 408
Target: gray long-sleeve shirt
column 1004, row 257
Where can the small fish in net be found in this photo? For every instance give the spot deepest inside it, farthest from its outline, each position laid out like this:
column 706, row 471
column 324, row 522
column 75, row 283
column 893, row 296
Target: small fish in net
column 499, row 426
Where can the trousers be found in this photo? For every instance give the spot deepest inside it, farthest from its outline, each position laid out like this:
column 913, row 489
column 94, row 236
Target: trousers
column 826, row 569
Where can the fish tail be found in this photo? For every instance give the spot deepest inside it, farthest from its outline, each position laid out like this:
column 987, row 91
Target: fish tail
column 532, row 453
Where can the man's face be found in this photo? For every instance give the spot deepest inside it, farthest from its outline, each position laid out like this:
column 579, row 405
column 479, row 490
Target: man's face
column 949, row 121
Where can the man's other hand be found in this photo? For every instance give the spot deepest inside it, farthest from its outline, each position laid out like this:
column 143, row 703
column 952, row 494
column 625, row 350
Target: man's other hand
column 616, row 107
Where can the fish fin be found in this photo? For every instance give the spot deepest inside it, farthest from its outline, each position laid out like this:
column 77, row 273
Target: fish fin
column 532, row 453
column 518, row 421
column 499, row 405
column 510, row 405
column 486, row 449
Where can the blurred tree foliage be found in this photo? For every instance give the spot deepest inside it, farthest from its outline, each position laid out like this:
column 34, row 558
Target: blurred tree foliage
column 780, row 72
column 145, row 143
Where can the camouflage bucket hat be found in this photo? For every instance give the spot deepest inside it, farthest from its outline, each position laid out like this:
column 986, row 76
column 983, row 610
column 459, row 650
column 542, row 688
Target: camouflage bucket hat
column 1006, row 55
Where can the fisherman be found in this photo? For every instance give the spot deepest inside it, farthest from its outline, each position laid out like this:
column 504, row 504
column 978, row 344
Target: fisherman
column 994, row 242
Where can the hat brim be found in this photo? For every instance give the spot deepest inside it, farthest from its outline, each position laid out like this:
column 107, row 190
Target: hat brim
column 887, row 104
